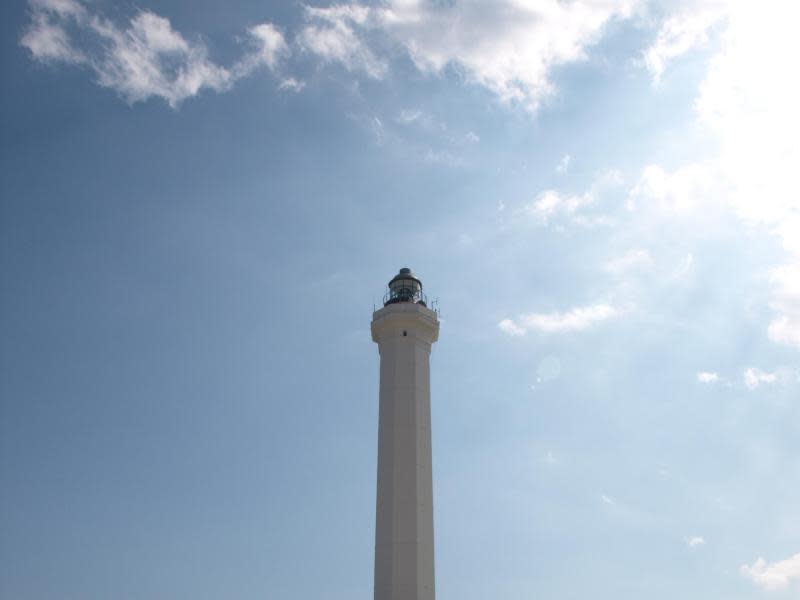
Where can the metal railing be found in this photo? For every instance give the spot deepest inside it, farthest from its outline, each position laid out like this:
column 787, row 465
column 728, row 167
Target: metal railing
column 418, row 298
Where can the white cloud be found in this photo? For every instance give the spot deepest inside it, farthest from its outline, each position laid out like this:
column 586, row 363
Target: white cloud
column 291, row 84
column 50, row 42
column 270, row 48
column 754, row 377
column 707, row 377
column 748, row 100
column 46, row 37
column 146, row 58
column 149, row 58
column 750, row 103
column 680, row 33
column 637, row 258
column 563, row 165
column 785, row 328
column 776, row 576
column 507, row 46
column 551, row 203
column 695, row 541
column 431, row 125
column 61, row 7
column 333, row 37
column 406, row 116
column 575, row 319
column 508, row 326
column 681, row 190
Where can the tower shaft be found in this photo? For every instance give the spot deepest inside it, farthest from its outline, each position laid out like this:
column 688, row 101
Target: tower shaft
column 404, row 561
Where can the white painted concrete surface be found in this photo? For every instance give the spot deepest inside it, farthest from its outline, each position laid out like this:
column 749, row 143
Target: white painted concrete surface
column 404, row 567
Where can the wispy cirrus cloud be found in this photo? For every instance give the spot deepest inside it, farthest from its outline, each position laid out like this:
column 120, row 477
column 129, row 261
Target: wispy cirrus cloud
column 334, row 34
column 143, row 58
column 46, row 36
column 505, row 46
column 775, row 576
column 508, row 47
column 576, row 319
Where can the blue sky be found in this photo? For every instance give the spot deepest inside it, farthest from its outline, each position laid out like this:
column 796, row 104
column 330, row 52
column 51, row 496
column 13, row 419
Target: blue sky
column 201, row 202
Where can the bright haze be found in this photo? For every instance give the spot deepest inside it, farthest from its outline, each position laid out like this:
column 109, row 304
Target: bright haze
column 202, row 202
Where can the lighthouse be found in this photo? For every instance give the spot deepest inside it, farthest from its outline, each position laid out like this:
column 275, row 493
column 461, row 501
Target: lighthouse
column 404, row 329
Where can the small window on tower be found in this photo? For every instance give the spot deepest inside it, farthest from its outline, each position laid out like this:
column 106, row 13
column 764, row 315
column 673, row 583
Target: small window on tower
column 404, row 334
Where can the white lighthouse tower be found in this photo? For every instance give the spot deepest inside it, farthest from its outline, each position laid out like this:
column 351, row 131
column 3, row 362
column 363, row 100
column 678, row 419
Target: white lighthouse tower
column 404, row 329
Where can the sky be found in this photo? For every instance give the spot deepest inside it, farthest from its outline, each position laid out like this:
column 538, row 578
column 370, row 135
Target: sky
column 202, row 203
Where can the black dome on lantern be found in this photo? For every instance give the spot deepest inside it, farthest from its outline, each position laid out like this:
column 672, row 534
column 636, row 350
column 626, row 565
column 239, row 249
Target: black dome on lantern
column 405, row 287
column 405, row 273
